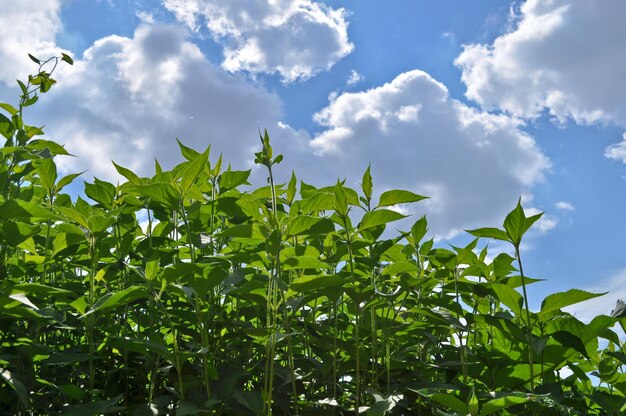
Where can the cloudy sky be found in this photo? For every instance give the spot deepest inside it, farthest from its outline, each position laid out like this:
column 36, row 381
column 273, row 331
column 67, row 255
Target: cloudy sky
column 472, row 103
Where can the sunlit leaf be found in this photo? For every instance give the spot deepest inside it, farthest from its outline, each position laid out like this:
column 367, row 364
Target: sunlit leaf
column 396, row 196
column 379, row 217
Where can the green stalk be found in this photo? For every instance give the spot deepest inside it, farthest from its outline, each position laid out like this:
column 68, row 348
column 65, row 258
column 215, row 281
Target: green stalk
column 460, row 332
column 357, row 323
column 272, row 313
column 529, row 329
column 90, row 319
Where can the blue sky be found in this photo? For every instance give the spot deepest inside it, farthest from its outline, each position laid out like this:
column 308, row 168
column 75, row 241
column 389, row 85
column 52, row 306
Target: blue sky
column 473, row 103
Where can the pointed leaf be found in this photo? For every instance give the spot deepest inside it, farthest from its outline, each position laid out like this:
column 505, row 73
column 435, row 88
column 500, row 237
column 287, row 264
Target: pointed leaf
column 193, row 170
column 379, row 217
column 6, row 127
column 395, row 196
column 500, row 403
column 562, row 299
column 419, row 229
column 489, row 232
column 16, row 385
column 366, row 183
column 65, row 57
column 303, row 262
column 112, row 301
column 509, row 297
column 233, row 178
column 66, row 180
column 341, row 200
column 128, row 174
column 291, row 188
column 570, row 340
column 187, row 152
column 307, row 225
column 23, row 210
column 315, row 282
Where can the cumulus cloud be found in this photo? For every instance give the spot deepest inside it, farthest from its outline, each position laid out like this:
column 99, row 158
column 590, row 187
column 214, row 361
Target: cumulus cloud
column 564, row 206
column 354, row 78
column 617, row 151
column 473, row 165
column 27, row 29
column 545, row 223
column 564, row 56
column 295, row 39
column 128, row 98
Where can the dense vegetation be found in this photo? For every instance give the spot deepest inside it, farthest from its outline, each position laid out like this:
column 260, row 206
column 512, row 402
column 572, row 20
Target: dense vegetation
column 285, row 299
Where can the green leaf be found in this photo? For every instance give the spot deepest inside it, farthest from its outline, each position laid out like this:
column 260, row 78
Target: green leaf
column 187, row 152
column 251, row 400
column 35, row 60
column 52, row 147
column 202, row 277
column 393, row 197
column 303, row 262
column 449, row 401
column 8, row 108
column 419, row 230
column 16, row 385
column 366, row 183
column 75, row 216
column 193, row 171
column 23, row 210
column 101, row 192
column 15, row 233
column 509, row 297
column 488, row 232
column 128, row 174
column 379, row 217
column 500, row 403
column 94, row 408
column 570, row 340
column 233, row 178
column 65, row 57
column 473, row 405
column 562, row 299
column 112, row 301
column 316, row 282
column 307, row 225
column 516, row 224
column 6, row 127
column 40, row 290
column 321, row 201
column 341, row 200
column 66, row 180
column 291, row 188
column 160, row 192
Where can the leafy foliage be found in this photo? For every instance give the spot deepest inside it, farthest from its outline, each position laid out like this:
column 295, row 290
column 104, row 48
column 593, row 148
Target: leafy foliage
column 268, row 301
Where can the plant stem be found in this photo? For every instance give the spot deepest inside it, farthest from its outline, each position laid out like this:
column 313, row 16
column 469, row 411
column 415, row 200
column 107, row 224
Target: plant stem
column 529, row 329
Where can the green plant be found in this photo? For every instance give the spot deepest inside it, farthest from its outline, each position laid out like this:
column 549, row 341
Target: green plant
column 283, row 299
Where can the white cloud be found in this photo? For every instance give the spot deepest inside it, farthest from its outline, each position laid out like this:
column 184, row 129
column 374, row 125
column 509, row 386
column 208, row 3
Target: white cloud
column 145, row 17
column 354, row 78
column 27, row 27
column 564, row 56
column 473, row 165
column 564, row 206
column 294, row 38
column 128, row 98
column 617, row 151
column 545, row 223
